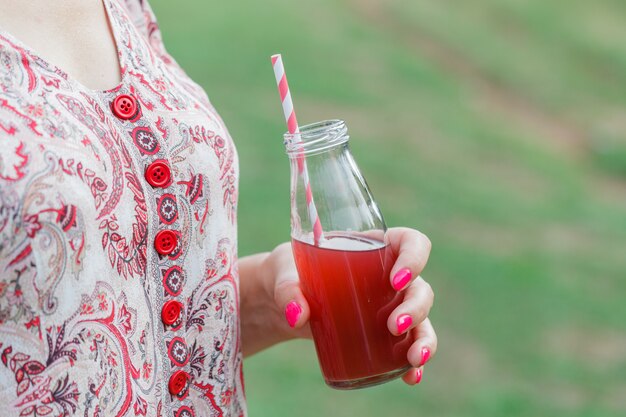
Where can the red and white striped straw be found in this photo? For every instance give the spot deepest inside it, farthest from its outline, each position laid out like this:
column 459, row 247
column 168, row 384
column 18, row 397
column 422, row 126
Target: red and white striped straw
column 292, row 127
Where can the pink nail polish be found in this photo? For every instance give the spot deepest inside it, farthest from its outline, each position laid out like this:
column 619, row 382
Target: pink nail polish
column 292, row 313
column 403, row 322
column 425, row 356
column 401, row 278
column 418, row 376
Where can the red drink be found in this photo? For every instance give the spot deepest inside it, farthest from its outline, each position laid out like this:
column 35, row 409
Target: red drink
column 346, row 282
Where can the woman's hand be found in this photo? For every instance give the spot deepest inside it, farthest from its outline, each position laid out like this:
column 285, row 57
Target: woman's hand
column 280, row 311
column 270, row 291
column 412, row 249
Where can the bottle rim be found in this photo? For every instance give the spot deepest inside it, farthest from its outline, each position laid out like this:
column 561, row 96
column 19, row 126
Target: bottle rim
column 316, row 137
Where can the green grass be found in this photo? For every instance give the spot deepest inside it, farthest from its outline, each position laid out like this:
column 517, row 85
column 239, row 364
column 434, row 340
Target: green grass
column 494, row 126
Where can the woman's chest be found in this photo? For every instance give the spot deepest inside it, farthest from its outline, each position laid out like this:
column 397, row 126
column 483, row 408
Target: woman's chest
column 107, row 173
column 117, row 225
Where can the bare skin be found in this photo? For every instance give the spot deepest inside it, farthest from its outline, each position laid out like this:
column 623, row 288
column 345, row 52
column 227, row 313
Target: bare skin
column 75, row 35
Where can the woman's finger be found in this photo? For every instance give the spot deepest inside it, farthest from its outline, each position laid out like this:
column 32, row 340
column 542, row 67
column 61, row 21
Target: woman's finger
column 418, row 300
column 422, row 350
column 413, row 376
column 289, row 298
column 287, row 293
column 425, row 345
column 412, row 249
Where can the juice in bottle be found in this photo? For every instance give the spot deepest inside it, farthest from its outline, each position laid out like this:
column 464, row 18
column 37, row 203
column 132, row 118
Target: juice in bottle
column 346, row 282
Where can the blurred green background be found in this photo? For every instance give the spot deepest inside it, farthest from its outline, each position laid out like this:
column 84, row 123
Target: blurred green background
column 498, row 128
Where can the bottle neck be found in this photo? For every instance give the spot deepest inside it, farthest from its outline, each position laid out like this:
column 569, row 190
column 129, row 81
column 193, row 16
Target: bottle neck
column 329, row 196
column 316, row 138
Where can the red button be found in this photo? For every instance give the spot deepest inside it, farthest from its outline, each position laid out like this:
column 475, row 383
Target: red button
column 171, row 312
column 124, row 106
column 177, row 382
column 165, row 242
column 158, row 174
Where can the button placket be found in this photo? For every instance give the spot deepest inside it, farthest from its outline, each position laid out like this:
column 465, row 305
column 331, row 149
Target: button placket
column 158, row 175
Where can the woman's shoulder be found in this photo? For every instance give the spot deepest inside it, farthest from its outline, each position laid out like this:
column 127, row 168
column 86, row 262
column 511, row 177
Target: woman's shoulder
column 142, row 16
column 145, row 21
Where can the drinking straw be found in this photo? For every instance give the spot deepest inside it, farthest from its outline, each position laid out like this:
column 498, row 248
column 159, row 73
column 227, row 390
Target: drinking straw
column 293, row 129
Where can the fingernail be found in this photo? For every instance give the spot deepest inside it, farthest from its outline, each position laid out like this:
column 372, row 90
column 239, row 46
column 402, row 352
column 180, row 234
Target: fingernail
column 401, row 278
column 403, row 322
column 418, row 376
column 292, row 313
column 425, row 356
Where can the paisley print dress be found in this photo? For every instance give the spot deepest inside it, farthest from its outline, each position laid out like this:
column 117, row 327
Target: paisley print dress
column 118, row 259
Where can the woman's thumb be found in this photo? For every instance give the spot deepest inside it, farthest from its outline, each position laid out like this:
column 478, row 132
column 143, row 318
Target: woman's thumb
column 291, row 301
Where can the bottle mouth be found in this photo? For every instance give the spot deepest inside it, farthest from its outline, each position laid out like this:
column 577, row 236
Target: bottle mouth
column 316, row 137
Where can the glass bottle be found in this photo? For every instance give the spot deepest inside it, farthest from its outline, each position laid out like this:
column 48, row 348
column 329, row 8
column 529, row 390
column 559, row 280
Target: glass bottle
column 344, row 267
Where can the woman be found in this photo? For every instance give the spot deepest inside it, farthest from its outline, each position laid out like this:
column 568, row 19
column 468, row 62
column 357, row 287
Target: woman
column 120, row 289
